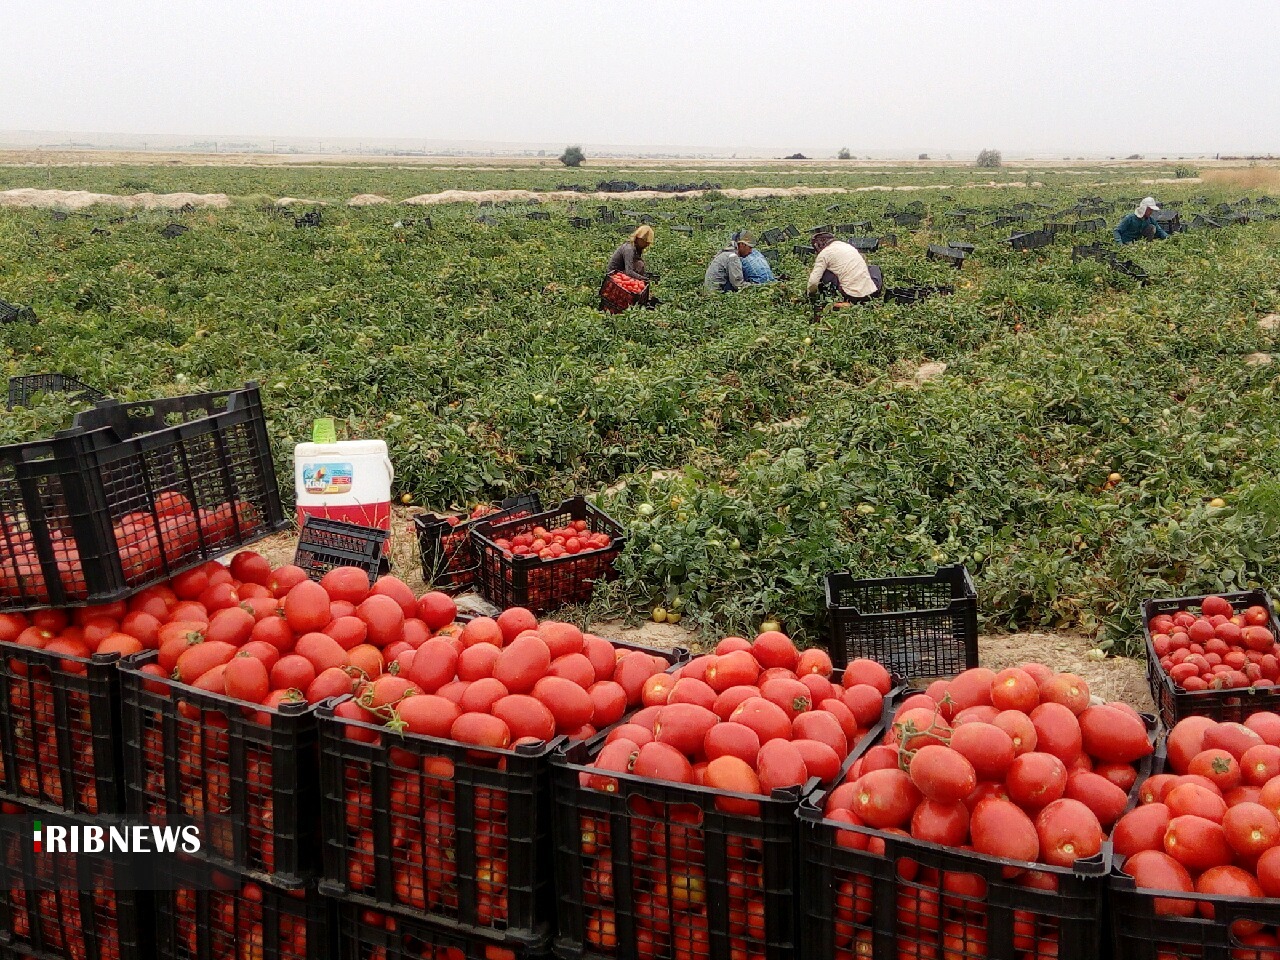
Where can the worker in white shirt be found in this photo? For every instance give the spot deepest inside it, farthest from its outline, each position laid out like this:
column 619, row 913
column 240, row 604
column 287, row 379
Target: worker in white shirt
column 840, row 269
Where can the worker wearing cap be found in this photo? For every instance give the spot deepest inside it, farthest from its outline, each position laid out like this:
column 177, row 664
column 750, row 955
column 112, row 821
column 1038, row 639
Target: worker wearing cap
column 755, row 267
column 840, row 269
column 724, row 273
column 1140, row 224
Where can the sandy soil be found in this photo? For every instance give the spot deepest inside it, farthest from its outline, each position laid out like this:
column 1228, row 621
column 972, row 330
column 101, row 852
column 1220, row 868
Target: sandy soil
column 79, row 199
column 1115, row 678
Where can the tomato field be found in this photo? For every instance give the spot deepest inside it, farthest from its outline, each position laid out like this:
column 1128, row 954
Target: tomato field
column 1093, row 441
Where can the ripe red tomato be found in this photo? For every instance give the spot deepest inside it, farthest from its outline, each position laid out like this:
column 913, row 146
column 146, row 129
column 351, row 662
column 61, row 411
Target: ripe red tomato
column 947, row 824
column 1251, row 829
column 988, row 748
column 885, row 798
column 1036, row 779
column 525, row 716
column 661, row 761
column 732, row 775
column 246, row 678
column 768, row 720
column 942, row 774
column 1142, row 828
column 571, row 706
column 522, row 662
column 1014, row 689
column 1068, row 831
column 306, row 607
column 684, row 726
column 1000, row 829
column 863, row 671
column 1057, row 731
column 1197, row 843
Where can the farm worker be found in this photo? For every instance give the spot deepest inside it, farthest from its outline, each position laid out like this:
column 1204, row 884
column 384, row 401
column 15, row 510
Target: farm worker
column 755, row 268
column 629, row 258
column 840, row 269
column 1140, row 224
column 724, row 273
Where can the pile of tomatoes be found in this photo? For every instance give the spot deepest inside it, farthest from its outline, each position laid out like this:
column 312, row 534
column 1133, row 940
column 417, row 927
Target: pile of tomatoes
column 1018, row 764
column 147, row 541
column 493, row 684
column 1209, row 825
column 1218, row 649
column 744, row 721
column 571, row 539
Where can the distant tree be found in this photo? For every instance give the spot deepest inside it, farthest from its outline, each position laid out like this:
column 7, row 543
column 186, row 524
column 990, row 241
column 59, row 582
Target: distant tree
column 572, row 157
column 844, row 154
column 989, row 159
column 1134, row 156
column 923, row 156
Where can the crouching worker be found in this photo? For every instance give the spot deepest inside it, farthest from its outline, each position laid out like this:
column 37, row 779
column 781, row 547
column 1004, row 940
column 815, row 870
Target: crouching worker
column 724, row 273
column 840, row 270
column 626, row 280
column 1140, row 225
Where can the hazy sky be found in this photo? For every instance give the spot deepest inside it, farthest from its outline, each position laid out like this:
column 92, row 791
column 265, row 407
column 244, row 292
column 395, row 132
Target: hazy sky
column 905, row 75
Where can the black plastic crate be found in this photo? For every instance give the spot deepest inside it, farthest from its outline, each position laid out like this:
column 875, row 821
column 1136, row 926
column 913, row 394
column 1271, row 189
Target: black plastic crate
column 1031, row 240
column 540, row 585
column 252, row 787
column 448, row 560
column 802, row 252
column 686, row 231
column 889, row 240
column 864, row 244
column 860, row 226
column 1089, row 252
column 917, row 626
column 906, row 220
column 456, row 835
column 368, row 934
column 239, row 919
column 324, row 544
column 173, row 230
column 67, row 907
column 133, row 494
column 915, row 294
column 537, row 215
column 15, row 313
column 312, row 219
column 1088, row 226
column 772, row 236
column 580, row 223
column 60, row 731
column 1172, row 702
column 949, row 255
column 790, row 231
column 1128, row 268
column 858, row 903
column 622, row 845
column 1057, row 226
column 22, row 389
column 963, row 247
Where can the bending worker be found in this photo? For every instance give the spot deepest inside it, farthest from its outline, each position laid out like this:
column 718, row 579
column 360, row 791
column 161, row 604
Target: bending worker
column 724, row 273
column 840, row 269
column 629, row 258
column 1140, row 225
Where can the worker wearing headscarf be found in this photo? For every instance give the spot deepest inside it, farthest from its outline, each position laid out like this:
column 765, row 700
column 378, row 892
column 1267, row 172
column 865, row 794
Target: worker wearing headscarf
column 1140, row 224
column 629, row 258
column 839, row 268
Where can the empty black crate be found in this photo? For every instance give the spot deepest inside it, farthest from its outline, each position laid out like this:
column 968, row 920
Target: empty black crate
column 60, row 731
column 365, row 934
column 864, row 244
column 67, row 907
column 455, row 834
column 946, row 255
column 324, row 544
column 1172, row 702
column 925, row 900
column 22, row 389
column 1089, row 252
column 12, row 312
column 444, row 542
column 133, row 494
column 1031, row 241
column 918, row 626
column 235, row 918
column 509, row 580
column 802, row 252
column 248, row 778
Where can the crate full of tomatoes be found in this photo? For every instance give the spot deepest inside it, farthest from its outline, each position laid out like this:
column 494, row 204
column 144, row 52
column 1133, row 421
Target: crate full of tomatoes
column 436, row 782
column 549, row 559
column 368, row 934
column 676, row 832
column 979, row 827
column 218, row 708
column 78, row 906
column 444, row 540
column 1197, row 857
column 223, row 915
column 131, row 495
column 1213, row 656
column 60, row 707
